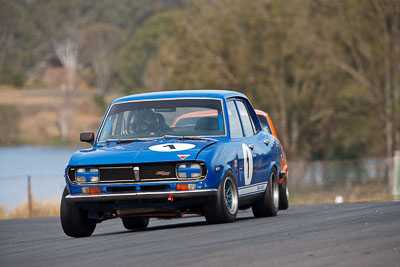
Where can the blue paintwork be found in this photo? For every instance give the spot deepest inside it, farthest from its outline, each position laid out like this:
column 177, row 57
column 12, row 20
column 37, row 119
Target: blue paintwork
column 220, row 94
column 135, row 152
column 222, row 152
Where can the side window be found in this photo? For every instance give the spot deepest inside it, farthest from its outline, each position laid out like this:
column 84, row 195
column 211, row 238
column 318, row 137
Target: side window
column 234, row 122
column 248, row 125
column 264, row 123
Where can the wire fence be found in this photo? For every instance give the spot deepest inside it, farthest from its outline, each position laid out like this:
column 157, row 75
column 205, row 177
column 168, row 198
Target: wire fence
column 337, row 173
column 334, row 176
column 15, row 190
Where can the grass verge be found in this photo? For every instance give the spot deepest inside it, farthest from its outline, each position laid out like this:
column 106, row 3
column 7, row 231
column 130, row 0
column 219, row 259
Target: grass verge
column 376, row 192
column 47, row 208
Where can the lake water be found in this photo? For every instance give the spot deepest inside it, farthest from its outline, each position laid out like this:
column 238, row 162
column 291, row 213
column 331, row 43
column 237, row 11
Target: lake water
column 45, row 165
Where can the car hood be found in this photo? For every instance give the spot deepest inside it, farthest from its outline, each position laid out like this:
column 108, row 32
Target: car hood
column 140, row 152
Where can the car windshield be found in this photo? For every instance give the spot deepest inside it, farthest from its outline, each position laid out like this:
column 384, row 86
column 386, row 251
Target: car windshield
column 150, row 119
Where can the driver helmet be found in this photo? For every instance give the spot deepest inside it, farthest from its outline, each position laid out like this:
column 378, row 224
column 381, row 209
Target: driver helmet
column 145, row 121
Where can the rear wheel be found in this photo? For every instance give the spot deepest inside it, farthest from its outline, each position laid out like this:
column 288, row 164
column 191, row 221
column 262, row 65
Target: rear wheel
column 269, row 204
column 74, row 220
column 283, row 195
column 223, row 207
column 135, row 223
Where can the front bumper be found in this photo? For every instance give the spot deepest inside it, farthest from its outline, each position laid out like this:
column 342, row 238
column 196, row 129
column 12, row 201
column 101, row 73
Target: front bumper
column 141, row 195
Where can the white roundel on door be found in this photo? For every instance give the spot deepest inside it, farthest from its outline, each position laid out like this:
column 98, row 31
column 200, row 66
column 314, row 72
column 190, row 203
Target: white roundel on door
column 171, row 147
column 247, row 164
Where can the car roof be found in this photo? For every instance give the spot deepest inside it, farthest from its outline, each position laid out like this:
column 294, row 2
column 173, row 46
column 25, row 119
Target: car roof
column 260, row 112
column 221, row 94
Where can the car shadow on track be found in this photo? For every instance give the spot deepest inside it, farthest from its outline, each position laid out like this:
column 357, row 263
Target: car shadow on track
column 167, row 226
column 154, row 228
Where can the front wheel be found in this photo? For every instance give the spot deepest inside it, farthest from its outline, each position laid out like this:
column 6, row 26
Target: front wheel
column 135, row 223
column 74, row 220
column 223, row 207
column 269, row 204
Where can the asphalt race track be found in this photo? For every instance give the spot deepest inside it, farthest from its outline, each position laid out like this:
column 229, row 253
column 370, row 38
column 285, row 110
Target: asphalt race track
column 365, row 234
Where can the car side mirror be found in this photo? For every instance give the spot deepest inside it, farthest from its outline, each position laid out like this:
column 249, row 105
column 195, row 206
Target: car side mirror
column 87, row 137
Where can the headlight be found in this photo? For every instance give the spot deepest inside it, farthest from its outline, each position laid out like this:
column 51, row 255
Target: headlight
column 189, row 170
column 87, row 175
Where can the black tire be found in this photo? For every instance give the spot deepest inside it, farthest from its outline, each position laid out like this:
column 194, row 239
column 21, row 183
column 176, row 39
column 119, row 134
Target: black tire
column 269, row 204
column 74, row 220
column 224, row 206
column 283, row 195
column 135, row 223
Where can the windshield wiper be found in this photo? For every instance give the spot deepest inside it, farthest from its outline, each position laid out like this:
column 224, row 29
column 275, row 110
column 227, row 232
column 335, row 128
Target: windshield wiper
column 165, row 136
column 130, row 140
column 197, row 138
column 181, row 137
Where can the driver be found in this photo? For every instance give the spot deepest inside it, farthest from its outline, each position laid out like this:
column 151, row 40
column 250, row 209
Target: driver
column 145, row 122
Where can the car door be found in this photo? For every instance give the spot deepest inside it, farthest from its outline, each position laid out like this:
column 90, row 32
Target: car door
column 252, row 145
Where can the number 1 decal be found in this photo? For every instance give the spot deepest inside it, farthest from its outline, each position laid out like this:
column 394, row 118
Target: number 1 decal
column 247, row 164
column 172, row 147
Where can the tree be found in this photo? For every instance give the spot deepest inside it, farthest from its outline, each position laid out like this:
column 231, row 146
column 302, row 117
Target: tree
column 62, row 23
column 366, row 45
column 141, row 48
column 100, row 44
column 15, row 36
column 9, row 122
column 265, row 49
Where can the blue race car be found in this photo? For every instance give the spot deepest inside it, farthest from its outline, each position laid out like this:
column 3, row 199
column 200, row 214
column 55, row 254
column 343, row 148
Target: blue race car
column 167, row 154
